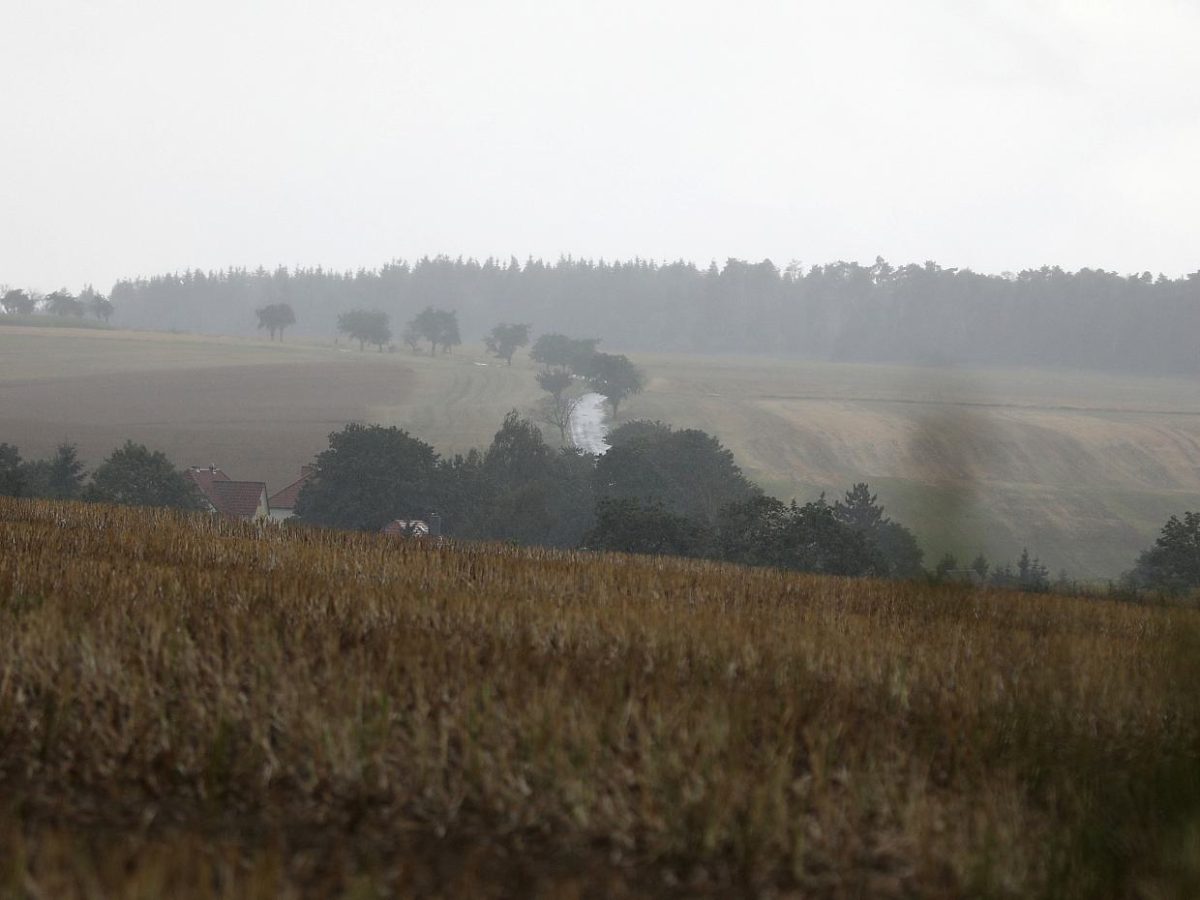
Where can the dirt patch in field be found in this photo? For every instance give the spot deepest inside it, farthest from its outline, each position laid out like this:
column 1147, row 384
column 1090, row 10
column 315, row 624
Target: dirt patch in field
column 256, row 422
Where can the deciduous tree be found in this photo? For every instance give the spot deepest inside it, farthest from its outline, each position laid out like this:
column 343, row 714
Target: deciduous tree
column 505, row 339
column 18, row 302
column 367, row 326
column 63, row 303
column 439, row 327
column 614, row 376
column 134, row 475
column 560, row 351
column 275, row 317
column 370, row 475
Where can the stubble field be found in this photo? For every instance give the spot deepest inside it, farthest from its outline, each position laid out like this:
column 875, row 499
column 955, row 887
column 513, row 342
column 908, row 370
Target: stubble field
column 196, row 708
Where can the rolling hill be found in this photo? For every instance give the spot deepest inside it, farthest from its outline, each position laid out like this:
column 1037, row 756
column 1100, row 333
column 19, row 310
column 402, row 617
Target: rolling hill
column 1081, row 468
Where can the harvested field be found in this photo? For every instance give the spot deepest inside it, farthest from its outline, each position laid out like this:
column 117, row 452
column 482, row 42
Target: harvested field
column 194, row 708
column 257, row 422
column 1081, row 468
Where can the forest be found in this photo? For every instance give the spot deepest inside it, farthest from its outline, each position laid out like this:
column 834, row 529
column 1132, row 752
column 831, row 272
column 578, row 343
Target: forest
column 843, row 311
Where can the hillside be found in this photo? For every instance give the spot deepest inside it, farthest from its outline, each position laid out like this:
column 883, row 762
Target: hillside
column 195, row 708
column 1081, row 468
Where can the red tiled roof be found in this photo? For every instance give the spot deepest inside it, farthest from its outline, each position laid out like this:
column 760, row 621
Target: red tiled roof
column 243, row 499
column 286, row 498
column 205, row 477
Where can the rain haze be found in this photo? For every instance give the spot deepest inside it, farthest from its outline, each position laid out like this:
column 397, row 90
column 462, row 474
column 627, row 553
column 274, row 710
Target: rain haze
column 599, row 449
column 152, row 137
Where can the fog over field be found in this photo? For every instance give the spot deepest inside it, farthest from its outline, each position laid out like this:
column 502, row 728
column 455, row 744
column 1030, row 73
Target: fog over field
column 599, row 449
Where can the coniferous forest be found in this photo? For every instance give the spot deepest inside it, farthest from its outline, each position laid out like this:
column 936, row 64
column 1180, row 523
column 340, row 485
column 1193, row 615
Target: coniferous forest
column 843, row 311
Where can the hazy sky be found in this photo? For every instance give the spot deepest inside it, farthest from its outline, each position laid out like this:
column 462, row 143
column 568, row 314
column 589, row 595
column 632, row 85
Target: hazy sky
column 139, row 137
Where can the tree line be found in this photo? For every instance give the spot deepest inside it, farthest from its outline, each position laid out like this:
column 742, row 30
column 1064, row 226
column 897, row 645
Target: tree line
column 658, row 490
column 567, row 364
column 845, row 311
column 132, row 475
column 20, row 302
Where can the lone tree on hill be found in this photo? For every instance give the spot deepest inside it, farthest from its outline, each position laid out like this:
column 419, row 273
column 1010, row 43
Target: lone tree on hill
column 439, row 327
column 367, row 326
column 275, row 318
column 134, row 475
column 614, row 376
column 505, row 339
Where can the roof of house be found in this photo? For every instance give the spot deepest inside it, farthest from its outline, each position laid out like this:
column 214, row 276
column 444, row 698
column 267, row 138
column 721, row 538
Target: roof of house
column 286, row 498
column 242, row 499
column 406, row 528
column 205, row 477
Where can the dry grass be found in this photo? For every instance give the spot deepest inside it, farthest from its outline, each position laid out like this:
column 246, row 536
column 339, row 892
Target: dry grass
column 193, row 708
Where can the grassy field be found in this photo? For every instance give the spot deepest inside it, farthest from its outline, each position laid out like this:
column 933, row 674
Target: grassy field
column 195, row 708
column 1084, row 469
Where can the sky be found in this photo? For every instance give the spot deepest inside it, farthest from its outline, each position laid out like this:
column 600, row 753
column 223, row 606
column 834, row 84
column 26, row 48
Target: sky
column 146, row 137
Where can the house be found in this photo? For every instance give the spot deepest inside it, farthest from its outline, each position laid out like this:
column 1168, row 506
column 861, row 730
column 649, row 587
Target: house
column 283, row 503
column 237, row 499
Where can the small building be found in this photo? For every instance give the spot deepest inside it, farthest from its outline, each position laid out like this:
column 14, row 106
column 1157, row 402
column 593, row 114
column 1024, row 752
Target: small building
column 245, row 500
column 283, row 503
column 406, row 528
column 430, row 527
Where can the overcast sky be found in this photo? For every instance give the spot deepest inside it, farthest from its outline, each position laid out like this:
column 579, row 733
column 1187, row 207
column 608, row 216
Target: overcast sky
column 140, row 137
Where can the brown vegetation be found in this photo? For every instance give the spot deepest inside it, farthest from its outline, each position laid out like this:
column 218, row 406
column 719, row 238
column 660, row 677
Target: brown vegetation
column 196, row 708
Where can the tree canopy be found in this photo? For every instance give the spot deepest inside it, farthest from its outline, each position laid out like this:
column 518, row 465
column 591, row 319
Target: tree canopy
column 898, row 550
column 1172, row 565
column 843, row 311
column 438, row 326
column 370, row 475
column 367, row 326
column 275, row 317
column 134, row 475
column 614, row 376
column 12, row 475
column 688, row 472
column 63, row 303
column 558, row 350
column 18, row 302
column 58, row 478
column 506, row 339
